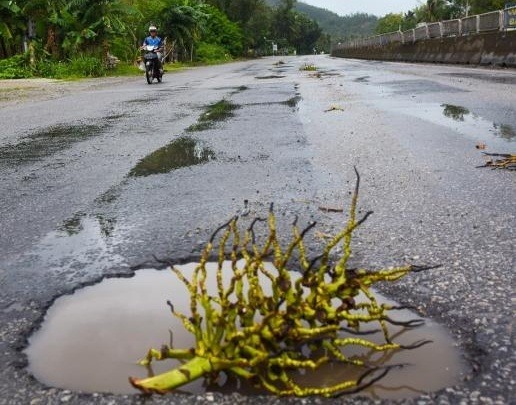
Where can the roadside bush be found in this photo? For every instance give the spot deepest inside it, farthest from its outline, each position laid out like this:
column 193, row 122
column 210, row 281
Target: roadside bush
column 51, row 69
column 80, row 66
column 124, row 69
column 14, row 68
column 86, row 66
column 211, row 53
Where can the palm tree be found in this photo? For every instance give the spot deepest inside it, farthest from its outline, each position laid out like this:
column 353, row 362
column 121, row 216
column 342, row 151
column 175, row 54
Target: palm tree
column 185, row 22
column 93, row 24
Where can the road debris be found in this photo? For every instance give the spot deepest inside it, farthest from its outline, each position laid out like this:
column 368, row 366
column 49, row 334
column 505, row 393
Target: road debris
column 334, row 107
column 504, row 161
column 263, row 337
column 331, row 209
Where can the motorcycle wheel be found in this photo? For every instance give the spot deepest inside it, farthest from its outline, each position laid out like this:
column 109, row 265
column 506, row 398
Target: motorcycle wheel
column 149, row 75
column 157, row 74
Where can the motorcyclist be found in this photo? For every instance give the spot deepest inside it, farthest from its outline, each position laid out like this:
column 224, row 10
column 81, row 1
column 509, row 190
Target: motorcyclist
column 154, row 40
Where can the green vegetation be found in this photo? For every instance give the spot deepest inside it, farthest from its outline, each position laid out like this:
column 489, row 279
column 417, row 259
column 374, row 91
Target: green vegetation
column 17, row 67
column 390, row 23
column 78, row 38
column 219, row 111
column 302, row 322
column 308, row 67
column 336, row 28
column 436, row 10
column 14, row 68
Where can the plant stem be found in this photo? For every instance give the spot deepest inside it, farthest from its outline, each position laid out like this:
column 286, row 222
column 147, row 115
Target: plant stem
column 192, row 370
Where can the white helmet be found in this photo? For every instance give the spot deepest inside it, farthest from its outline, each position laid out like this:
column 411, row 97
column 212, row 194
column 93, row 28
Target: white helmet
column 152, row 28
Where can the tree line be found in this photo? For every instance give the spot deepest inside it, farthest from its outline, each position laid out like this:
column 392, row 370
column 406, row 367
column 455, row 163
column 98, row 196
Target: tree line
column 63, row 29
column 436, row 10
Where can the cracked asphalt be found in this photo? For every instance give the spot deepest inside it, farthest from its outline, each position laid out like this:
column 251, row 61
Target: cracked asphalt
column 72, row 210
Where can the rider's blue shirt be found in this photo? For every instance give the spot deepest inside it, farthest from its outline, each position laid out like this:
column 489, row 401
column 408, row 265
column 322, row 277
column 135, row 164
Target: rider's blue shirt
column 156, row 41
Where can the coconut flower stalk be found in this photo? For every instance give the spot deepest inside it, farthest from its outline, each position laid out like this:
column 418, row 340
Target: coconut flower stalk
column 300, row 321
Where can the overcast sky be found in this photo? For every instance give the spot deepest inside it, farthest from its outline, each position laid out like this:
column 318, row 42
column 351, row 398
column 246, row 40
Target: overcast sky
column 377, row 7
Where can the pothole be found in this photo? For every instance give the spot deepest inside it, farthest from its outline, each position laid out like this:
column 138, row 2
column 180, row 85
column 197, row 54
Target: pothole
column 90, row 341
column 219, row 111
column 47, row 142
column 362, row 79
column 267, row 77
column 183, row 152
column 293, row 102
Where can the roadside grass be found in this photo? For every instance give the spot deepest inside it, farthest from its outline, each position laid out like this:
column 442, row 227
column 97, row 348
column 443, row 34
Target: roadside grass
column 124, row 69
column 81, row 67
column 213, row 113
column 308, row 67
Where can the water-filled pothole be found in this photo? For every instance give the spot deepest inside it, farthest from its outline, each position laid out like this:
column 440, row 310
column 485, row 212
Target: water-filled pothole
column 182, row 152
column 90, row 341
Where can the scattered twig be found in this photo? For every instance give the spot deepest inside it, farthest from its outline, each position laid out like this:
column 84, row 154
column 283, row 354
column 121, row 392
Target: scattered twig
column 331, row 209
column 506, row 161
column 334, row 107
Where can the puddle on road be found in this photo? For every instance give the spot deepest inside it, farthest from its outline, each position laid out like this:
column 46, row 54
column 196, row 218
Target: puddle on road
column 330, row 73
column 183, row 152
column 410, row 87
column 462, row 114
column 505, row 79
column 270, row 77
column 116, row 117
column 90, row 341
column 47, row 142
column 497, row 136
column 235, row 89
column 363, row 79
column 294, row 101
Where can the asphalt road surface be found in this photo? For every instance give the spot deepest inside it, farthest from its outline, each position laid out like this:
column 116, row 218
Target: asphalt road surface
column 89, row 188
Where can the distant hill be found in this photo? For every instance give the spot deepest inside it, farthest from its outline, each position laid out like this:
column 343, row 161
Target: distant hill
column 339, row 27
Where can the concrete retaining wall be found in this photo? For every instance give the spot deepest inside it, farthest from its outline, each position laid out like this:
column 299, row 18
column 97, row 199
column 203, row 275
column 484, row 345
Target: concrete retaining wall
column 494, row 48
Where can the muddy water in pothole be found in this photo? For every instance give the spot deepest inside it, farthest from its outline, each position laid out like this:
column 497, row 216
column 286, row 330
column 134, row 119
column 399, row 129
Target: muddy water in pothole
column 90, row 341
column 182, row 152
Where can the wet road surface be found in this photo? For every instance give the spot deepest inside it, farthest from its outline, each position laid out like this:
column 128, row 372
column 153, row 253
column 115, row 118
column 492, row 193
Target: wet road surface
column 96, row 182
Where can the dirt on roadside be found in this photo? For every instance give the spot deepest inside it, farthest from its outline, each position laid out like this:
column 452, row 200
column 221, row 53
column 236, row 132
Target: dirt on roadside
column 17, row 91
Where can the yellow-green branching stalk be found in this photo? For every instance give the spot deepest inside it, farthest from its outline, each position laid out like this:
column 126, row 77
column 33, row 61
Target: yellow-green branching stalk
column 265, row 334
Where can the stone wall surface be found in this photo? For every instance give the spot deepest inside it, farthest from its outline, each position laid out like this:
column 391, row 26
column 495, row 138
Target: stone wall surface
column 493, row 48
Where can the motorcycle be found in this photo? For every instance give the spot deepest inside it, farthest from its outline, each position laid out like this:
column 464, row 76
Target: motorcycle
column 153, row 68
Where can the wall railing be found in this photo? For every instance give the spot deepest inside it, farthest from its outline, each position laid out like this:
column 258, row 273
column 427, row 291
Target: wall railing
column 488, row 22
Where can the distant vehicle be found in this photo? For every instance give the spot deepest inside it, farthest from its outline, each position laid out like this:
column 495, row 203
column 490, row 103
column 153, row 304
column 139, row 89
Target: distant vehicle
column 153, row 68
